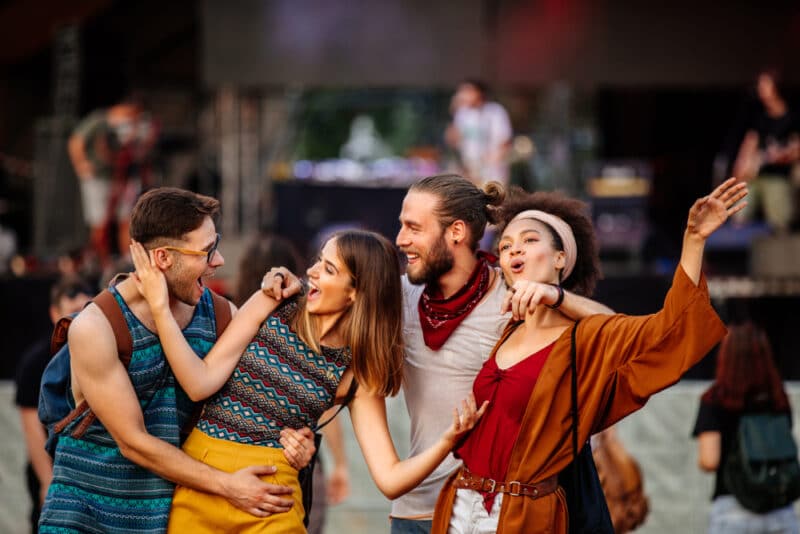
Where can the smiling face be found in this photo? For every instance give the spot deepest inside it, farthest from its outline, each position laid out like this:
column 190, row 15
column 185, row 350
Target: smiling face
column 527, row 253
column 422, row 239
column 331, row 289
column 185, row 278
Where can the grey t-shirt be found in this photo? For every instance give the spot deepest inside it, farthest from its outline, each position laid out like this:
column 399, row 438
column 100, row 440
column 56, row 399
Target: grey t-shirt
column 435, row 382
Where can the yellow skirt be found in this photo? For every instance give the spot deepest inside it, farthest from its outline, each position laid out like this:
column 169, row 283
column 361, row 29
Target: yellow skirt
column 198, row 512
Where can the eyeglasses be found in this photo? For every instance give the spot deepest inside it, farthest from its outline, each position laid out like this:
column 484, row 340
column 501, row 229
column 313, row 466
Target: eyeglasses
column 208, row 254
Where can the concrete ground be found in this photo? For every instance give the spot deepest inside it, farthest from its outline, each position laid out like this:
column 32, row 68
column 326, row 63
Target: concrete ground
column 657, row 436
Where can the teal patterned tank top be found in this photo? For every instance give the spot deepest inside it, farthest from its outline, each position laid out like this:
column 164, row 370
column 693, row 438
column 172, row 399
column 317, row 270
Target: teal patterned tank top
column 95, row 488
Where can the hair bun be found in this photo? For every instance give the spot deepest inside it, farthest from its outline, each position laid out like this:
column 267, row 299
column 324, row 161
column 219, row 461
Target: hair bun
column 495, row 193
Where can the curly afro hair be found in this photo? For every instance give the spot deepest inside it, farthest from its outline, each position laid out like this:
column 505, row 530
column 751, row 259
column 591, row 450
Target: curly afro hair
column 575, row 213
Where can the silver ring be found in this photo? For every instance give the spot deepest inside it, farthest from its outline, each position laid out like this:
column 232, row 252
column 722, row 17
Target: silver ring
column 262, row 285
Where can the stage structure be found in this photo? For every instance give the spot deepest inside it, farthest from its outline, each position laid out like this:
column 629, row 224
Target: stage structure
column 57, row 219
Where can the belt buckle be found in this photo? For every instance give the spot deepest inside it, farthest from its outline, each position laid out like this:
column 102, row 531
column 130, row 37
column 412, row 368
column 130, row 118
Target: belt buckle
column 519, row 488
column 494, row 484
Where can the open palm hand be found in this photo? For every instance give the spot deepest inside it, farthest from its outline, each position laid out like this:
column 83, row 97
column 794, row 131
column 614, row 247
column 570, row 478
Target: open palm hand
column 710, row 212
column 150, row 281
column 467, row 418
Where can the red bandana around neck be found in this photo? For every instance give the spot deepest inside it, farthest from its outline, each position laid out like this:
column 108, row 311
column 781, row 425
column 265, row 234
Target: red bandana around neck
column 439, row 317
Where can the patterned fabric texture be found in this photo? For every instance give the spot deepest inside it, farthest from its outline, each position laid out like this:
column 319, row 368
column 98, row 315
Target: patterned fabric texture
column 95, row 489
column 279, row 382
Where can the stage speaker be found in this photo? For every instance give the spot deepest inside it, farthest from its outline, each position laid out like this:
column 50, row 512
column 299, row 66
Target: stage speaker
column 776, row 257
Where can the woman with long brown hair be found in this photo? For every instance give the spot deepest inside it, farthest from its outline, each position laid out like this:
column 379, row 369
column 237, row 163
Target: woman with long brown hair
column 282, row 362
column 747, row 381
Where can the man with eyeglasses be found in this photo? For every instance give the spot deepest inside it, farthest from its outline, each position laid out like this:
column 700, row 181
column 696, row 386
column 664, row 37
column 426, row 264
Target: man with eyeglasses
column 120, row 474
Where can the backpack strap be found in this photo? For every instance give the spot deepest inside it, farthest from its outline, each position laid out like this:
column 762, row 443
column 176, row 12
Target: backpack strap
column 59, row 337
column 222, row 312
column 111, row 309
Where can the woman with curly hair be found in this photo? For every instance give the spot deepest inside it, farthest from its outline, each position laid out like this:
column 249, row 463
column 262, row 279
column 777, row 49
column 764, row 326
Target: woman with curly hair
column 512, row 458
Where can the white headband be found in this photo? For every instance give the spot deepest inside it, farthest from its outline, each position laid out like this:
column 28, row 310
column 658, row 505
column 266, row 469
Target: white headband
column 564, row 233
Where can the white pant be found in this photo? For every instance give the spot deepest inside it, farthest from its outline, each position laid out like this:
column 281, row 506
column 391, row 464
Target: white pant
column 94, row 197
column 470, row 516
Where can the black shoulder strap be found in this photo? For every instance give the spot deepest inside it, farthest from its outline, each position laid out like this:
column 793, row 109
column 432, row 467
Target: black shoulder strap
column 574, row 391
column 351, row 392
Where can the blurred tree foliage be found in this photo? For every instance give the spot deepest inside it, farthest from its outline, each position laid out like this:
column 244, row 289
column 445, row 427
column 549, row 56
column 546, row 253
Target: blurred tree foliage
column 404, row 118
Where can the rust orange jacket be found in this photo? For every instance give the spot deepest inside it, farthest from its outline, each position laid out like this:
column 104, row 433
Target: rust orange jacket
column 622, row 361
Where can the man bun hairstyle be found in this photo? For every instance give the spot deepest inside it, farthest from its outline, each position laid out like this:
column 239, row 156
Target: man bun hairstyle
column 495, row 194
column 460, row 199
column 575, row 213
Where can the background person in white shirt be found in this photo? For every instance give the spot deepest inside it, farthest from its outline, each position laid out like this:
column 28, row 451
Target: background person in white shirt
column 481, row 132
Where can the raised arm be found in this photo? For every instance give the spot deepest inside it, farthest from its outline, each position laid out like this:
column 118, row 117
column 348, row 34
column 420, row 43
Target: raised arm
column 642, row 355
column 706, row 215
column 393, row 476
column 101, row 379
column 201, row 378
column 747, row 160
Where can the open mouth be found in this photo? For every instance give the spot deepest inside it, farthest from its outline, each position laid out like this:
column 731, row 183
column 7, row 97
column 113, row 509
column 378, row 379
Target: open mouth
column 313, row 291
column 201, row 280
column 516, row 266
column 412, row 257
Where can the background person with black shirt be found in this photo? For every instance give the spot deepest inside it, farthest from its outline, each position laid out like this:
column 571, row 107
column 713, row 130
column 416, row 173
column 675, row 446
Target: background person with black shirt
column 746, row 381
column 67, row 296
column 767, row 154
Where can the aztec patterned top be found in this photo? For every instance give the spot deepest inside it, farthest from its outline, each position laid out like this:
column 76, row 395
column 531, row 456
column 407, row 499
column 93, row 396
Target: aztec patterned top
column 279, row 382
column 94, row 487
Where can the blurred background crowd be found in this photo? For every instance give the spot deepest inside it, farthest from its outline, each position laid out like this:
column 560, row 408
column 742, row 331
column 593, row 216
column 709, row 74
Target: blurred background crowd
column 304, row 117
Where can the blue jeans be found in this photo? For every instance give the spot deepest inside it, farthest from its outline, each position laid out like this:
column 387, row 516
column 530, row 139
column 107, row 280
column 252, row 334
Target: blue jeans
column 730, row 517
column 411, row 526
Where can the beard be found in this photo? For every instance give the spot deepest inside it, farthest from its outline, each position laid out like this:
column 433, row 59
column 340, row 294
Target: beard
column 438, row 261
column 182, row 288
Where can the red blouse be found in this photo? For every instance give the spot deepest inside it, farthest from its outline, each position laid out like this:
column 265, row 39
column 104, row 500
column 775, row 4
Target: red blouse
column 487, row 449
